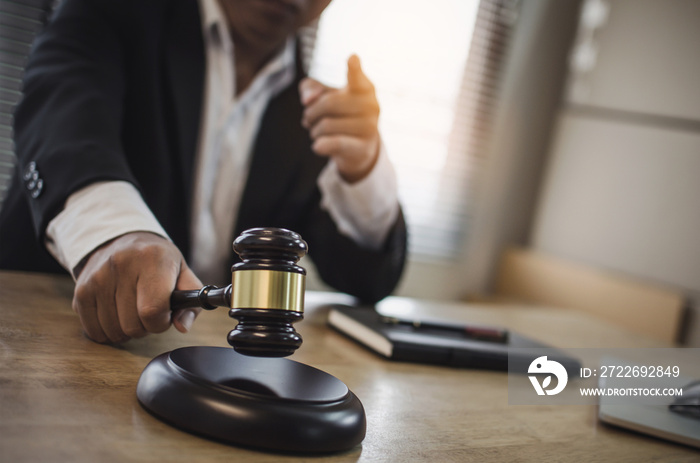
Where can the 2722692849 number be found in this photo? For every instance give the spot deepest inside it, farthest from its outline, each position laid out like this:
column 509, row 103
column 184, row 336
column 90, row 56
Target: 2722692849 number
column 636, row 371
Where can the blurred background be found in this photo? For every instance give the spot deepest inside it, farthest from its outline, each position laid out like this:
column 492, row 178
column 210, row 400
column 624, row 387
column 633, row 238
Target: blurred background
column 571, row 128
column 567, row 128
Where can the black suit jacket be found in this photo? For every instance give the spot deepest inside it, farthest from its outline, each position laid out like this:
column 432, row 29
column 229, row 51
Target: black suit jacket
column 113, row 91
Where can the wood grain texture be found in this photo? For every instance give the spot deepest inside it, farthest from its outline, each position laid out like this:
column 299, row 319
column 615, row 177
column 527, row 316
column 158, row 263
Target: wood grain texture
column 64, row 398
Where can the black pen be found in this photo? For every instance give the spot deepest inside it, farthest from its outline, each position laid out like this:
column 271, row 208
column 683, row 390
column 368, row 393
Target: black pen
column 480, row 333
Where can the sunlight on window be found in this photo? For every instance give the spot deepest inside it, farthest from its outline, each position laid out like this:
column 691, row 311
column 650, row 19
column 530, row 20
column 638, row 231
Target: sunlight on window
column 414, row 52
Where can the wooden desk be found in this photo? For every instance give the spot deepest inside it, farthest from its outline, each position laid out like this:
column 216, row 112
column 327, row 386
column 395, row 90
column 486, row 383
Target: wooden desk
column 65, row 398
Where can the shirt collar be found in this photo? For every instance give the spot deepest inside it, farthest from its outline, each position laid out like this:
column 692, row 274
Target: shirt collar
column 212, row 17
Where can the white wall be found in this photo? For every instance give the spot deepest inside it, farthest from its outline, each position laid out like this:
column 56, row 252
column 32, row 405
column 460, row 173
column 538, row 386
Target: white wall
column 622, row 188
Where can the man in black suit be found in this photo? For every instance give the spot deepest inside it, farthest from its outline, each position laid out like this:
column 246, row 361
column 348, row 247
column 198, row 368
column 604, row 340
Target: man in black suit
column 123, row 129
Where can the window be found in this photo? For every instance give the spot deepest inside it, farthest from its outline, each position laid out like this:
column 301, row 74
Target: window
column 435, row 68
column 19, row 22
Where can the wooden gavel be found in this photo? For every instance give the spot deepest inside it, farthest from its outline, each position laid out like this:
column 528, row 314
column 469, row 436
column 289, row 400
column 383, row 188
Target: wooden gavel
column 266, row 294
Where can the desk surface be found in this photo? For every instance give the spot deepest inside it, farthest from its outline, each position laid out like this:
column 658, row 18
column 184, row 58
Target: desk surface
column 65, row 398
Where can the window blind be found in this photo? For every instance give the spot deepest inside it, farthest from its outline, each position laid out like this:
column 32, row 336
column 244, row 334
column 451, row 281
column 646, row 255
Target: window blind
column 436, row 69
column 20, row 20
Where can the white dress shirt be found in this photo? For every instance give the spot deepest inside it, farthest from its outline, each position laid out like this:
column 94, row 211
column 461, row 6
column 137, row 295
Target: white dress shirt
column 363, row 211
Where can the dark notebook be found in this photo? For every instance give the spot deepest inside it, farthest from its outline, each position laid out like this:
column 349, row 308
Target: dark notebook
column 403, row 341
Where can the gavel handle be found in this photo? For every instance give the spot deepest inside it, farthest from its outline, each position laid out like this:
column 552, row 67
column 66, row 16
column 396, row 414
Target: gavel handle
column 209, row 298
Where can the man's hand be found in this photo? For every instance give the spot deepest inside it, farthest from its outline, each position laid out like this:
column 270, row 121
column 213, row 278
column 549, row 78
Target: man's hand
column 124, row 289
column 343, row 122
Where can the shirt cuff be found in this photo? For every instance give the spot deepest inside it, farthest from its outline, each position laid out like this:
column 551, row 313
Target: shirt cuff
column 94, row 215
column 363, row 211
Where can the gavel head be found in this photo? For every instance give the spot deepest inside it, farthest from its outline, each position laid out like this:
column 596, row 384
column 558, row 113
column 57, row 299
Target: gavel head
column 267, row 292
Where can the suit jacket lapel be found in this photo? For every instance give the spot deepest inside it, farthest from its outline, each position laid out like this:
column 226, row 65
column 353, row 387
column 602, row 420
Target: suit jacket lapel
column 185, row 65
column 280, row 148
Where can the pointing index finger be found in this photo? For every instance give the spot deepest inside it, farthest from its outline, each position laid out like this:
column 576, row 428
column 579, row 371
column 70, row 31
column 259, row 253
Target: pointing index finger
column 357, row 80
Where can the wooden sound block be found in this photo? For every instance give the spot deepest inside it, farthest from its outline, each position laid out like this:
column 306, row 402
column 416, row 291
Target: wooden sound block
column 268, row 403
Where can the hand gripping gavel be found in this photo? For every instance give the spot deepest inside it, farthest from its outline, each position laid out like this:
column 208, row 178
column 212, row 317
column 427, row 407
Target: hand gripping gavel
column 266, row 294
